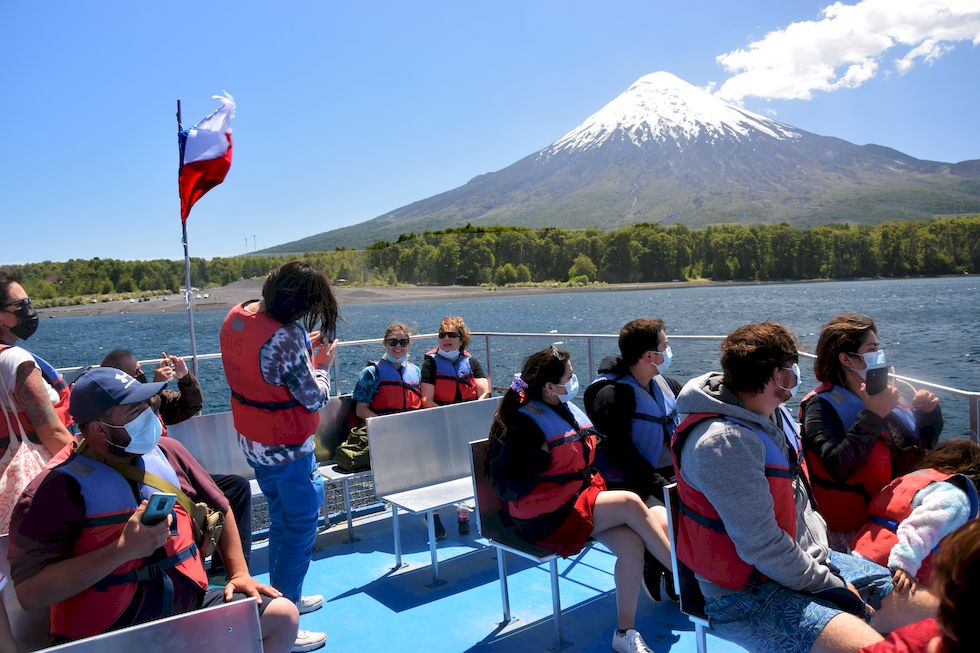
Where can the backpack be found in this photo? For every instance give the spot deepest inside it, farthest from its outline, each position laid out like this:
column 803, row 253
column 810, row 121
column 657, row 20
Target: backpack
column 353, row 455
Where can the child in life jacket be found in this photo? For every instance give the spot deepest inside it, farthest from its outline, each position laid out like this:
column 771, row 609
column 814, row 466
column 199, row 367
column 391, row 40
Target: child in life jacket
column 912, row 515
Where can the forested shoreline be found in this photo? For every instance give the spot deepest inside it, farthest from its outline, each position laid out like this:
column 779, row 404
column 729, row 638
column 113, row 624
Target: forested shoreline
column 520, row 255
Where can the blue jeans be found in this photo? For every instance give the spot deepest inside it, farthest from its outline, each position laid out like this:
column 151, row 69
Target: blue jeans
column 293, row 492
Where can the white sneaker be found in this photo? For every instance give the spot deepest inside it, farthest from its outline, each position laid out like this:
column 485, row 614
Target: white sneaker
column 310, row 603
column 309, row 641
column 631, row 642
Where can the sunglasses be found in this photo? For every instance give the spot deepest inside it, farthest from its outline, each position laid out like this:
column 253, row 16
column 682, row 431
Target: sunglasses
column 448, row 334
column 394, row 342
column 25, row 303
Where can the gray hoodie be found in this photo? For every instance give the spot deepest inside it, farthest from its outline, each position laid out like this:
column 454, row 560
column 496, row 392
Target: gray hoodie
column 725, row 462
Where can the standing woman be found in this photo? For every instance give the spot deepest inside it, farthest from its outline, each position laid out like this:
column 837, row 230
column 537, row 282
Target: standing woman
column 279, row 381
column 857, row 443
column 450, row 374
column 539, row 460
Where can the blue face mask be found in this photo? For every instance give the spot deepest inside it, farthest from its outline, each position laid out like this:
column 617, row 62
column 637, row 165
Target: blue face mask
column 449, row 355
column 668, row 355
column 144, row 433
column 396, row 360
column 571, row 390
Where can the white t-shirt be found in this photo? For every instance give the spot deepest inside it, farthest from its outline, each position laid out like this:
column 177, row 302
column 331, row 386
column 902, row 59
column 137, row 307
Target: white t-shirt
column 11, row 359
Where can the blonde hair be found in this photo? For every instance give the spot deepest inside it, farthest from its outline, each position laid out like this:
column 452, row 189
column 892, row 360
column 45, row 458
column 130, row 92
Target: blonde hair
column 455, row 323
column 398, row 326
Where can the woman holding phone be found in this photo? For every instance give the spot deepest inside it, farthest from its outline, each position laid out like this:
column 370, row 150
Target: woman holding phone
column 857, row 431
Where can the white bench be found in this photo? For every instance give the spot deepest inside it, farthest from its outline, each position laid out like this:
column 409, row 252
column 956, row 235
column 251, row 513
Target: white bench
column 685, row 584
column 420, row 460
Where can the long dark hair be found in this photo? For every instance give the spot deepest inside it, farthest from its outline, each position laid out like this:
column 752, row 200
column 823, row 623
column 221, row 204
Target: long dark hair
column 545, row 366
column 959, row 456
column 299, row 291
column 955, row 577
column 7, row 278
column 843, row 334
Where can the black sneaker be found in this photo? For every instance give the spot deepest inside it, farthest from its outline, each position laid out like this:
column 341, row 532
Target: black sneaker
column 464, row 526
column 653, row 572
column 669, row 586
column 439, row 528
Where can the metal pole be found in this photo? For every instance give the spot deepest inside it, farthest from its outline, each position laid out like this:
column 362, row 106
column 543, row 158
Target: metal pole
column 187, row 267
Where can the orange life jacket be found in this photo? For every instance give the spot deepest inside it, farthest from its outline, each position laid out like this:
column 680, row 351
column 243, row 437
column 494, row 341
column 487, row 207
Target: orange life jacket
column 572, row 452
column 702, row 541
column 893, row 505
column 109, row 503
column 262, row 412
column 451, row 375
column 399, row 388
column 54, row 379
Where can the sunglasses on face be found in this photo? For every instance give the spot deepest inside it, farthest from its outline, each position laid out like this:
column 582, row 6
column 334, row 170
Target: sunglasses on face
column 395, row 342
column 20, row 303
column 448, row 334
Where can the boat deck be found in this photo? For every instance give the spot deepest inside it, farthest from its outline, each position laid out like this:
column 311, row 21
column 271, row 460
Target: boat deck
column 370, row 607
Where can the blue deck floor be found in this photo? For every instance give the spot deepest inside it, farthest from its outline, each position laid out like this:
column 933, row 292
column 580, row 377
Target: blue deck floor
column 369, row 607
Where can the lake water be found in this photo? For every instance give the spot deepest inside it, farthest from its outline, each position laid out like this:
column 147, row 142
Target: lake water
column 929, row 329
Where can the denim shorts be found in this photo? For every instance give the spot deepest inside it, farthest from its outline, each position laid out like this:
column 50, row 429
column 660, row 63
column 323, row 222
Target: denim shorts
column 771, row 617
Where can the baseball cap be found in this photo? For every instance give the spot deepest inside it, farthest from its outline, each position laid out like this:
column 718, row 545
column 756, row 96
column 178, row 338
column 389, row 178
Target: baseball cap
column 101, row 388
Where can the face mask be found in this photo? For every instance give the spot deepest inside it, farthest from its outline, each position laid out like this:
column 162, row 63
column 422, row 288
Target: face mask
column 571, row 390
column 449, row 355
column 796, row 373
column 144, row 433
column 26, row 322
column 396, row 360
column 872, row 361
column 668, row 355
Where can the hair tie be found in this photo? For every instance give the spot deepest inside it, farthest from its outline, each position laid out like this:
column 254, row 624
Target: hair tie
column 518, row 385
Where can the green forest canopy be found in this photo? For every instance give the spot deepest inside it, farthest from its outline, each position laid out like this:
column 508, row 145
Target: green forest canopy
column 513, row 255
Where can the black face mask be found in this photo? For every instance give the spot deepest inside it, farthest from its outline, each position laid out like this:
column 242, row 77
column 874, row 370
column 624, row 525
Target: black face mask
column 27, row 321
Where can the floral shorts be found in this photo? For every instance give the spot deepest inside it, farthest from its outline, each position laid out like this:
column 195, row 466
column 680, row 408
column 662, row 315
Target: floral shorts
column 771, row 617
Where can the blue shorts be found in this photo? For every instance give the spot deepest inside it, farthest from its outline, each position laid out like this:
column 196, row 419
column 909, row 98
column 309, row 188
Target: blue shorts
column 771, row 617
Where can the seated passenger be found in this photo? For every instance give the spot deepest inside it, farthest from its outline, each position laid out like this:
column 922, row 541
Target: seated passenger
column 176, row 406
column 857, row 443
column 450, row 374
column 747, row 524
column 108, row 573
column 539, row 460
column 955, row 579
column 914, row 513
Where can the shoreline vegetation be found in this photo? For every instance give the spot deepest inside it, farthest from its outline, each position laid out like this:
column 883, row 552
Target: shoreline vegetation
column 471, row 261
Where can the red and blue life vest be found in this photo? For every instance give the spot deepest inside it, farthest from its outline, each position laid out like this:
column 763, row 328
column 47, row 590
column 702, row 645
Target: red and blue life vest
column 54, row 379
column 263, row 412
column 572, row 451
column 893, row 505
column 399, row 388
column 453, row 375
column 109, row 503
column 703, row 543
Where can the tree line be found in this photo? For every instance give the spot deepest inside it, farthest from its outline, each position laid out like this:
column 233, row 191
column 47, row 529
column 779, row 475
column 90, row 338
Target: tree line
column 516, row 255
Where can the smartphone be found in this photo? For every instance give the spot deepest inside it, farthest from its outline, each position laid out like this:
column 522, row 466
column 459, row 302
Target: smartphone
column 158, row 506
column 331, row 335
column 876, row 380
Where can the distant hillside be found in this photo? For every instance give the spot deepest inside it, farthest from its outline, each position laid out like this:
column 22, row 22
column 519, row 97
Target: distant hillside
column 667, row 152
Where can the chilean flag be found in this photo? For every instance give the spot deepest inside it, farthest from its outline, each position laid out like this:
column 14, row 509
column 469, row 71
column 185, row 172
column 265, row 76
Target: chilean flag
column 205, row 154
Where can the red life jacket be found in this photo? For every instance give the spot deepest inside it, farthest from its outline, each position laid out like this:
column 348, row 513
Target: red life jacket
column 263, row 412
column 893, row 505
column 844, row 504
column 54, row 379
column 702, row 541
column 572, row 452
column 109, row 503
column 451, row 375
column 399, row 388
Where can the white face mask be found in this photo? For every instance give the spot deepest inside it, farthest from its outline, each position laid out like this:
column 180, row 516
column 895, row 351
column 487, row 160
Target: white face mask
column 796, row 372
column 668, row 355
column 144, row 433
column 872, row 360
column 449, row 355
column 571, row 390
column 396, row 360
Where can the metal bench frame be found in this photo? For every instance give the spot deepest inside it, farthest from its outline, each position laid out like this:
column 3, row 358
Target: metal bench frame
column 685, row 584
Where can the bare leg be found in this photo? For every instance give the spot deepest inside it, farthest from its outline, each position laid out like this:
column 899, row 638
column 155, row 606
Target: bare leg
column 280, row 623
column 628, row 549
column 900, row 609
column 845, row 633
column 620, row 508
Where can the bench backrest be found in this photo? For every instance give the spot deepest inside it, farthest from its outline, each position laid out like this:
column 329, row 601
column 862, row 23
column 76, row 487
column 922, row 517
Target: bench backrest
column 491, row 510
column 685, row 583
column 226, row 627
column 30, row 629
column 424, row 447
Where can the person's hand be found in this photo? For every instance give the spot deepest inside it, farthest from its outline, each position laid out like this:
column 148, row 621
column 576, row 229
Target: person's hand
column 924, row 401
column 163, row 372
column 177, row 364
column 249, row 587
column 325, row 353
column 904, row 582
column 883, row 403
column 868, row 610
column 138, row 540
column 316, row 338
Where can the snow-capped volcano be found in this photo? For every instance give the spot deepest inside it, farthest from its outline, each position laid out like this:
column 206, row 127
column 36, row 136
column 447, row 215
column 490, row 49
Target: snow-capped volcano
column 668, row 152
column 662, row 107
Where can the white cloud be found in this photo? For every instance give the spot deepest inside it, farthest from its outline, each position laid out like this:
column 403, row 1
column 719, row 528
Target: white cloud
column 848, row 46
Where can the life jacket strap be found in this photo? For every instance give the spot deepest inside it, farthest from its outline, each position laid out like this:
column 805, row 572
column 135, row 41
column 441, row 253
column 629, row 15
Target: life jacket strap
column 147, row 572
column 890, row 524
column 264, row 405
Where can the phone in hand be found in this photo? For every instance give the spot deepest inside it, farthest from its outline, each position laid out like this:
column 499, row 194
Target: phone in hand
column 158, row 506
column 876, row 380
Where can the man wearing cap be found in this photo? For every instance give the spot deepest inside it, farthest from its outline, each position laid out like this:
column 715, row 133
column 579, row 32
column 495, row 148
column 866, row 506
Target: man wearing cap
column 77, row 544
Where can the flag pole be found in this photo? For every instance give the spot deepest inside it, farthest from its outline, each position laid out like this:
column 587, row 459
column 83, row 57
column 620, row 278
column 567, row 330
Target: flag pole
column 188, row 297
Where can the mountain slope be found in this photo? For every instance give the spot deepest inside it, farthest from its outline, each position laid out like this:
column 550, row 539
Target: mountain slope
column 666, row 151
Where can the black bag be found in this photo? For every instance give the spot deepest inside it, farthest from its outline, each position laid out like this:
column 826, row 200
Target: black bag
column 352, row 455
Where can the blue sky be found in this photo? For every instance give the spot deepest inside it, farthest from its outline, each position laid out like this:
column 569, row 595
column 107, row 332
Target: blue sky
column 349, row 110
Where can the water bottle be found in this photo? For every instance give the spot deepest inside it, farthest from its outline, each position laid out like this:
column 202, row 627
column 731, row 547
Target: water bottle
column 463, row 518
